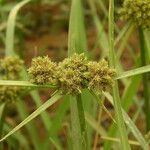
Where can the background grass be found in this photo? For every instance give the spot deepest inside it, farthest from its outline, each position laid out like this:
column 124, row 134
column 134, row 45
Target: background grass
column 75, row 122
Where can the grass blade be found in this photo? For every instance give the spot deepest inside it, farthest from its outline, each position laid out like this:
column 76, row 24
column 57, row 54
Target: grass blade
column 117, row 104
column 56, row 124
column 38, row 111
column 31, row 129
column 77, row 36
column 134, row 72
column 2, row 117
column 3, row 108
column 103, row 40
column 145, row 79
column 19, row 137
column 102, row 133
column 147, row 43
column 23, row 84
column 94, row 125
column 9, row 43
column 131, row 125
column 127, row 100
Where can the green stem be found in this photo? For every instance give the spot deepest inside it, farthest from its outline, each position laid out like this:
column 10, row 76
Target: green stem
column 3, row 109
column 82, row 122
column 145, row 80
column 75, row 126
column 117, row 104
column 79, row 133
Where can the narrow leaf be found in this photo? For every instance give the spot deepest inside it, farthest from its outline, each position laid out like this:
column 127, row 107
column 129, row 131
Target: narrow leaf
column 38, row 111
column 130, row 125
column 9, row 43
column 23, row 84
column 134, row 72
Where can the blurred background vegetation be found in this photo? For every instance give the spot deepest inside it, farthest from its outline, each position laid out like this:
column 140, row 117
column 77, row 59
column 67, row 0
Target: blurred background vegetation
column 42, row 29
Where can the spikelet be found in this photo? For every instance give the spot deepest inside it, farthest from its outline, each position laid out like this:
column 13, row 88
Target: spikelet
column 137, row 11
column 10, row 68
column 100, row 76
column 42, row 71
column 71, row 74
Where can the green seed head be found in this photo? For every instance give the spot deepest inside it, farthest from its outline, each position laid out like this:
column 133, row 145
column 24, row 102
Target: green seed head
column 71, row 74
column 100, row 76
column 137, row 11
column 10, row 67
column 42, row 71
column 9, row 94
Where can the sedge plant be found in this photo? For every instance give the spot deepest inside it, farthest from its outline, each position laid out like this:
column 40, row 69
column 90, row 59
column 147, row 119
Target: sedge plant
column 10, row 68
column 73, row 74
column 138, row 12
column 71, row 77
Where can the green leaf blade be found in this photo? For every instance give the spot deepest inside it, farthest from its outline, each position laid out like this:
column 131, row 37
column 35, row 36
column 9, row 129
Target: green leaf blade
column 38, row 111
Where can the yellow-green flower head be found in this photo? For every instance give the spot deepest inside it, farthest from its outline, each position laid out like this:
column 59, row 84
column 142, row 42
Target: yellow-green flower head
column 71, row 74
column 100, row 76
column 10, row 67
column 42, row 71
column 137, row 11
column 9, row 94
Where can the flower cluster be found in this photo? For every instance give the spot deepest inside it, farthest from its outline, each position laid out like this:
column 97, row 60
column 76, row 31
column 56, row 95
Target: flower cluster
column 9, row 94
column 137, row 11
column 10, row 68
column 42, row 70
column 100, row 76
column 72, row 74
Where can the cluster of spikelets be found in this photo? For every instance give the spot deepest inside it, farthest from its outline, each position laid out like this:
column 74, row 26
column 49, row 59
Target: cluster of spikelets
column 10, row 68
column 42, row 70
column 72, row 74
column 137, row 11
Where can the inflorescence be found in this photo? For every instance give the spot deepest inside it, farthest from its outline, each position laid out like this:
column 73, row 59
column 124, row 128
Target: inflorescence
column 10, row 68
column 137, row 11
column 72, row 74
column 42, row 70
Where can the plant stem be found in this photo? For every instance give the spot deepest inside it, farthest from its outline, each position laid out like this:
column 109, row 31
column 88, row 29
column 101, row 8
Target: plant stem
column 79, row 134
column 117, row 104
column 145, row 80
column 3, row 109
column 82, row 122
column 75, row 126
